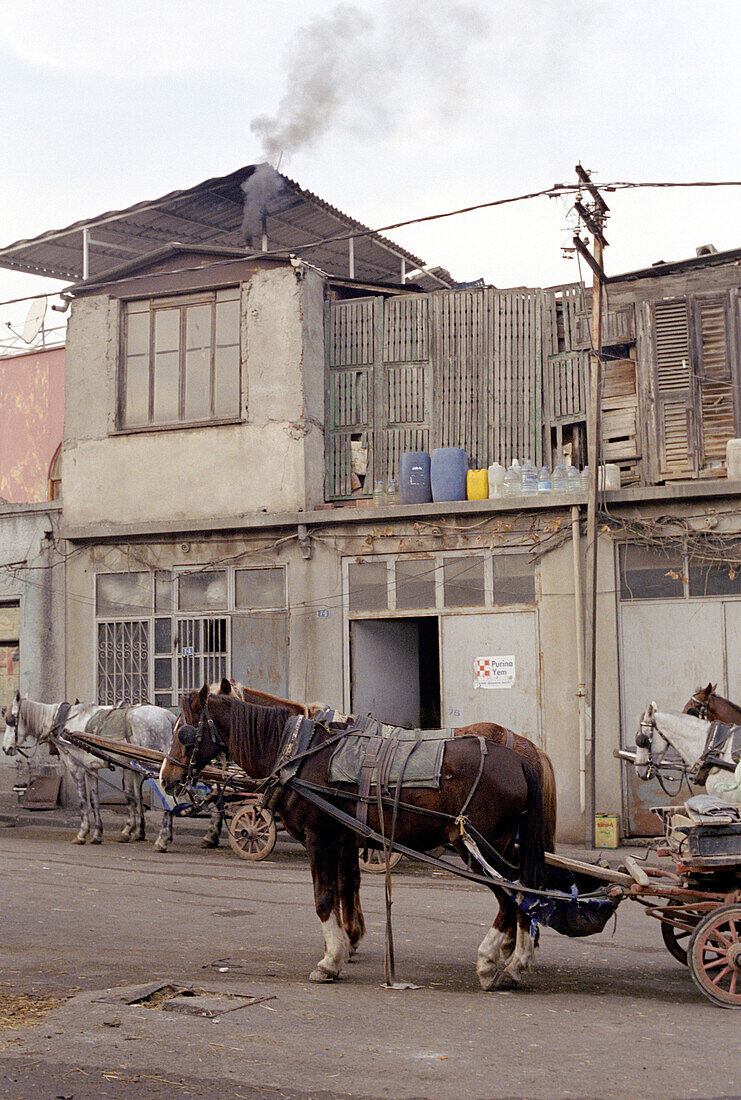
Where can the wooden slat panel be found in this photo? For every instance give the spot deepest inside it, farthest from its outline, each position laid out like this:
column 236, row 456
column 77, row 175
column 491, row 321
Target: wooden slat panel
column 405, row 329
column 567, row 375
column 672, row 346
column 350, row 333
column 675, row 425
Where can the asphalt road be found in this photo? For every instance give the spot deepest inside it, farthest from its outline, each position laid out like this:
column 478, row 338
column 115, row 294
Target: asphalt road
column 609, row 1016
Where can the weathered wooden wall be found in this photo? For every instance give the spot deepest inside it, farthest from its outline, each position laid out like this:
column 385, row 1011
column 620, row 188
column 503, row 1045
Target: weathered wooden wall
column 451, row 369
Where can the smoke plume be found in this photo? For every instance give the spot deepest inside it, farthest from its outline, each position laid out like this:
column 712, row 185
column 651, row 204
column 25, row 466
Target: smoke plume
column 358, row 71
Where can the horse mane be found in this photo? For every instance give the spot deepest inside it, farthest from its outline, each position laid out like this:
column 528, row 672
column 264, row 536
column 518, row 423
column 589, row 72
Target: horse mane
column 252, row 726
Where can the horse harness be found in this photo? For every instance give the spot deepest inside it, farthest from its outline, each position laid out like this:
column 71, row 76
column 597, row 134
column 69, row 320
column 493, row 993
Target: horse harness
column 54, row 733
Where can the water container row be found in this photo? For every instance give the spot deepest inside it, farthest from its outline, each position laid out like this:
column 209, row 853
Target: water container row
column 445, row 476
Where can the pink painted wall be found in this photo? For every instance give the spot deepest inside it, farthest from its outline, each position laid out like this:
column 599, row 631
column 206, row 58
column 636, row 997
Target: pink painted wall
column 31, row 423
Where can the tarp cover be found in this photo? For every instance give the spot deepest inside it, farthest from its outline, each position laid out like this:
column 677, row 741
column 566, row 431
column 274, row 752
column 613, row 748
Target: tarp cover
column 112, row 724
column 420, row 768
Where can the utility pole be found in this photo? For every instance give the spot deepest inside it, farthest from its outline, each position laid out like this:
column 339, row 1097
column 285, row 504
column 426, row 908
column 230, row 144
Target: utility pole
column 593, row 216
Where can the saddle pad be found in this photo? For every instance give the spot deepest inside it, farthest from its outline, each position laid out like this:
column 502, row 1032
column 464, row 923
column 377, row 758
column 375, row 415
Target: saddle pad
column 420, row 768
column 111, row 724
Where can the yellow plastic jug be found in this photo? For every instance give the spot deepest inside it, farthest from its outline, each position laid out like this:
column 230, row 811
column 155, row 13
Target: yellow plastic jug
column 477, row 485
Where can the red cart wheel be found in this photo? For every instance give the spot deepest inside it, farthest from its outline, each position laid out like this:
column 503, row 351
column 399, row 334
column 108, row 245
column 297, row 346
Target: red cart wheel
column 252, row 833
column 375, row 864
column 714, row 956
column 677, row 928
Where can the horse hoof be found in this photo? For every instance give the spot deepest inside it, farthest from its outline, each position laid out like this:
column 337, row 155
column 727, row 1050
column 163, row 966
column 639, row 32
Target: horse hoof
column 159, row 846
column 208, row 843
column 123, row 838
column 321, row 975
column 97, row 840
column 505, row 982
column 78, row 839
column 139, row 837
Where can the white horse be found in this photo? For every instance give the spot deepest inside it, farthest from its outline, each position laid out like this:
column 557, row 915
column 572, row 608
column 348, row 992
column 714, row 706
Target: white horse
column 688, row 735
column 147, row 726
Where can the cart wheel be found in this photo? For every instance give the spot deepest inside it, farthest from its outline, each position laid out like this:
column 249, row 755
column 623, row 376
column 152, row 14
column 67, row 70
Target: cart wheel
column 714, row 955
column 676, row 937
column 252, row 833
column 376, row 863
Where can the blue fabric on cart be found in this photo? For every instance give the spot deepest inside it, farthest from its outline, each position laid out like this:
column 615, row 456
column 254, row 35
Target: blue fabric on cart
column 584, row 912
column 421, row 766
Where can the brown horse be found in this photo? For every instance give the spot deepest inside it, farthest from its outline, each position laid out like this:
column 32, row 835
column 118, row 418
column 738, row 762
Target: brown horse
column 498, row 790
column 713, row 708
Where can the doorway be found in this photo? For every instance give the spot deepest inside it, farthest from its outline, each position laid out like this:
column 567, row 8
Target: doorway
column 395, row 670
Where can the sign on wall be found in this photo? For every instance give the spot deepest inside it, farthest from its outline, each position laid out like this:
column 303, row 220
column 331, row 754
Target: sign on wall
column 494, row 672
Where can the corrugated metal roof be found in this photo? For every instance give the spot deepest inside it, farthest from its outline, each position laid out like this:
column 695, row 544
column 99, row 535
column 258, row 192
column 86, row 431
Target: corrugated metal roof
column 211, row 213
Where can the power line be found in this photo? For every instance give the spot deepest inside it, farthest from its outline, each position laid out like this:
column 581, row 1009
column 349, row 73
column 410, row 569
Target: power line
column 556, row 190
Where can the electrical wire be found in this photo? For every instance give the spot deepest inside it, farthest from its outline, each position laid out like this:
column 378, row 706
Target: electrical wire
column 555, row 191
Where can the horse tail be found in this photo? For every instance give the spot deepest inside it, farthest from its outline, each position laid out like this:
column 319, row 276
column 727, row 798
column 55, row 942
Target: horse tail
column 550, row 801
column 533, row 830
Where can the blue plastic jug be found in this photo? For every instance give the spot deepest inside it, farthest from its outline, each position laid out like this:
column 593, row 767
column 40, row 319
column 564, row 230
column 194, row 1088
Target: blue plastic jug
column 414, row 477
column 448, row 469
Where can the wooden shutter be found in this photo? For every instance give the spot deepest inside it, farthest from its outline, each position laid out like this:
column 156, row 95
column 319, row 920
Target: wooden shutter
column 674, row 386
column 351, row 345
column 403, row 383
column 715, row 381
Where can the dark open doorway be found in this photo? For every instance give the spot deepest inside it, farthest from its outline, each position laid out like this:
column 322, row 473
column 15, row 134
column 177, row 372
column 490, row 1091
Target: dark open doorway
column 395, row 670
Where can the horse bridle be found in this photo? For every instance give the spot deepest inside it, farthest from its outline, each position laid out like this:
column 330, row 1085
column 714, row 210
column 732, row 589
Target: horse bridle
column 644, row 741
column 194, row 741
column 12, row 719
column 700, row 707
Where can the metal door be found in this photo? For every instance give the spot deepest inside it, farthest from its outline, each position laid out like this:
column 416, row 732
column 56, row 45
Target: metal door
column 385, row 670
column 667, row 648
column 467, row 642
column 260, row 651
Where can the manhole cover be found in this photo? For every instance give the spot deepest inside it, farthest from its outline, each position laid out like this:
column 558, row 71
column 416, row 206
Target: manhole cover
column 171, row 997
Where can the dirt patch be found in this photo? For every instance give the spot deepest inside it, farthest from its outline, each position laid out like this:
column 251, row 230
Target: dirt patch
column 24, row 1009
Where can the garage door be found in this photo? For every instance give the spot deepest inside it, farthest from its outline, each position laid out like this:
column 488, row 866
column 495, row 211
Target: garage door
column 468, row 642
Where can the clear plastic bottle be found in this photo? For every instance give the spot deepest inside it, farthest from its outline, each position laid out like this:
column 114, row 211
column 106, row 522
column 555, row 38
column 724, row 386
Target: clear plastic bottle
column 584, row 479
column 529, row 477
column 392, row 492
column 496, row 474
column 513, row 480
column 379, row 493
column 573, row 479
column 558, row 479
column 544, row 479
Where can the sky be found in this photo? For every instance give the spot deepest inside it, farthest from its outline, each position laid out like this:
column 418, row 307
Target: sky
column 388, row 109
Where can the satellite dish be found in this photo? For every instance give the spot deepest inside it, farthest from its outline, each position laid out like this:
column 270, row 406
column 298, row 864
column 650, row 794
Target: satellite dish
column 34, row 320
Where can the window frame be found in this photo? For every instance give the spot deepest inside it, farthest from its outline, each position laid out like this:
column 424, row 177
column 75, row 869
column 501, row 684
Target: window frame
column 171, row 612
column 181, row 302
column 436, row 559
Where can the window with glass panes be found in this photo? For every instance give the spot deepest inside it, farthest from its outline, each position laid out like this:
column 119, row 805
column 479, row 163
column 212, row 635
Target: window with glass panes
column 459, row 580
column 180, row 360
column 166, row 632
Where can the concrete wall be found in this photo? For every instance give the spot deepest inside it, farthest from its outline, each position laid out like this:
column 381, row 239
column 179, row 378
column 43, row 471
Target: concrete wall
column 272, row 461
column 38, row 585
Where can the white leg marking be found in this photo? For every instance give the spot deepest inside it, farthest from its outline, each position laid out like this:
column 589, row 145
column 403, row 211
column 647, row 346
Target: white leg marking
column 336, row 951
column 522, row 957
column 493, row 952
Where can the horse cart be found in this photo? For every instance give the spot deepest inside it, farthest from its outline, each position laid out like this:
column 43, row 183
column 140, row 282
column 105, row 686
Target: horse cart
column 252, row 829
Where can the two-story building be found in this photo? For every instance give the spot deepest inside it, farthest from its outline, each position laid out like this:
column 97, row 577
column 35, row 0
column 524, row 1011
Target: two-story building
column 229, row 411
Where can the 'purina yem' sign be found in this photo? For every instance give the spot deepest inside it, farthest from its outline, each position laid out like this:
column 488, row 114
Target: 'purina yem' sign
column 494, row 672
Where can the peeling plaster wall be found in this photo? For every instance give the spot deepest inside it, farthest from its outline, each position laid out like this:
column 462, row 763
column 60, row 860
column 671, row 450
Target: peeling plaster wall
column 272, row 461
column 31, row 423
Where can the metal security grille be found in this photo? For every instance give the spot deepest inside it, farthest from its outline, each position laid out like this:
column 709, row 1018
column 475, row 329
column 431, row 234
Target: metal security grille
column 123, row 662
column 203, row 651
